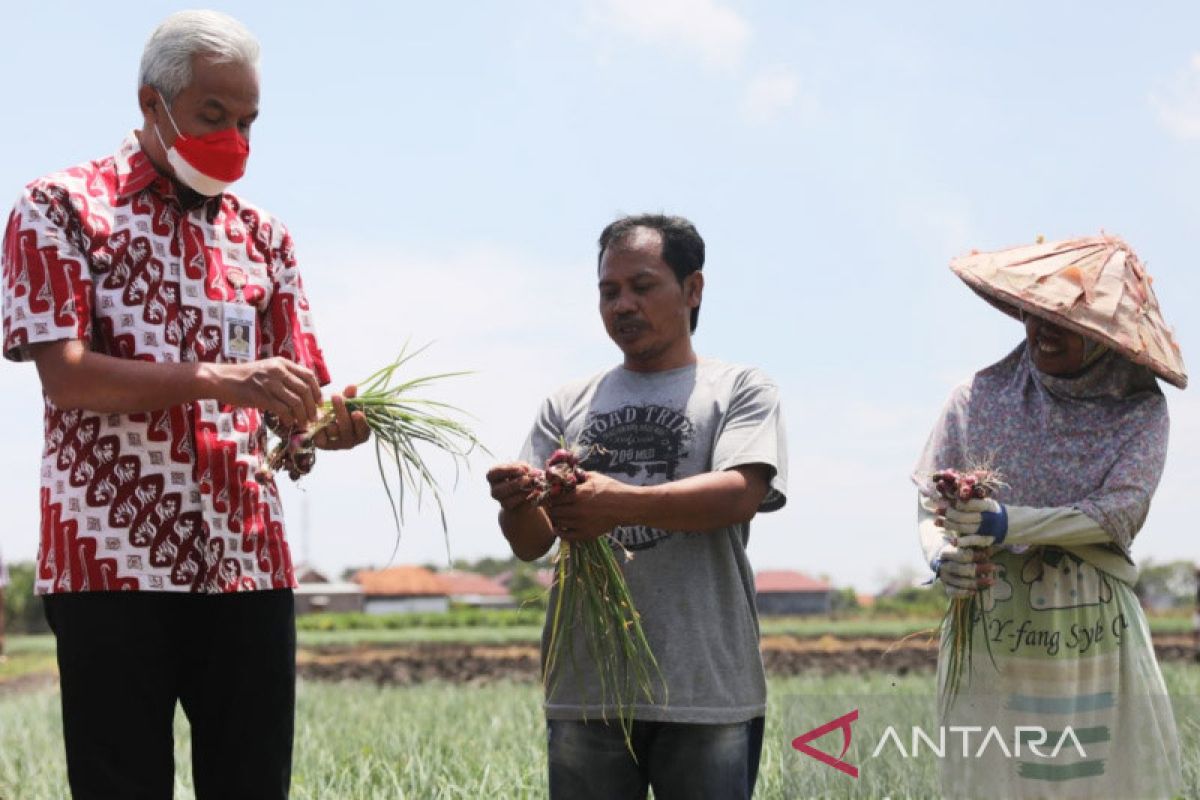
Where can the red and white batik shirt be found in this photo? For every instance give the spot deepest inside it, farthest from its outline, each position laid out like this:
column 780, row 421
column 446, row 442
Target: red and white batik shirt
column 165, row 500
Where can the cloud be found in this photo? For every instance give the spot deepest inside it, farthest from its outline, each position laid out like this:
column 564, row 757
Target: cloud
column 1178, row 103
column 714, row 32
column 719, row 36
column 770, row 93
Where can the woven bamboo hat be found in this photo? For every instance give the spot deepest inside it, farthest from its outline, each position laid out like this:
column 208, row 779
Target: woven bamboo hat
column 1095, row 286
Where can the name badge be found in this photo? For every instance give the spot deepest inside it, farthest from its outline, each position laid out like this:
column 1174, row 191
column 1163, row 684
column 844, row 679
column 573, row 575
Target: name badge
column 237, row 324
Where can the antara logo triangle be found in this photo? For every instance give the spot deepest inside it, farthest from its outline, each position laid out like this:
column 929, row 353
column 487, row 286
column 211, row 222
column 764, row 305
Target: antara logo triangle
column 843, row 722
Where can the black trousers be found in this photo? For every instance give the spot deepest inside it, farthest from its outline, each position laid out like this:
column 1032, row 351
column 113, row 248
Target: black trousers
column 126, row 658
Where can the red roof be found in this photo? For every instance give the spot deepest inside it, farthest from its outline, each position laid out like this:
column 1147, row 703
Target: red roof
column 458, row 582
column 788, row 581
column 403, row 581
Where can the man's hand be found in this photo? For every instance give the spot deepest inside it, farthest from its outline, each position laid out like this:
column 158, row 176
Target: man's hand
column 288, row 390
column 347, row 429
column 591, row 510
column 75, row 377
column 525, row 525
column 511, row 484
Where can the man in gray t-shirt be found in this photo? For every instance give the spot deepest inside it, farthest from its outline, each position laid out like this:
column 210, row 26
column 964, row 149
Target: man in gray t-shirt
column 681, row 453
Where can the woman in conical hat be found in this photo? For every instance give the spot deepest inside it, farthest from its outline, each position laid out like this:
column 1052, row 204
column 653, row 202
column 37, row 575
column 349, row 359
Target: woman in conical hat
column 1075, row 424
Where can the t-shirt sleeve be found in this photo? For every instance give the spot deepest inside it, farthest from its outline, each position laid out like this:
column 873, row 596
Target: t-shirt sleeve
column 47, row 283
column 545, row 436
column 753, row 433
column 287, row 327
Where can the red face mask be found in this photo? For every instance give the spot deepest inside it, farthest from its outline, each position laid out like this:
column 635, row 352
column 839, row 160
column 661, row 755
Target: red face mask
column 210, row 163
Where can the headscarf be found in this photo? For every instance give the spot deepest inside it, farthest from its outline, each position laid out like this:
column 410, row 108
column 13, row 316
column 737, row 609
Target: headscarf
column 1096, row 441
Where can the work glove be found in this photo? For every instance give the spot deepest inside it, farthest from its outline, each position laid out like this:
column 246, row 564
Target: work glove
column 987, row 523
column 976, row 523
column 963, row 571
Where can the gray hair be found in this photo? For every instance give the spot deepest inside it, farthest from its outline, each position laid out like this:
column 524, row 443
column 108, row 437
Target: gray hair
column 167, row 59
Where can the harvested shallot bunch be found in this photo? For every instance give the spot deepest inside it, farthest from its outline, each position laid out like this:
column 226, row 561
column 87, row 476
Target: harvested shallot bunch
column 405, row 423
column 957, row 487
column 974, row 484
column 562, row 474
column 593, row 599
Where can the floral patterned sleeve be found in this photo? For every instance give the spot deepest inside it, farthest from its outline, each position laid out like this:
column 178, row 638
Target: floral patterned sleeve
column 47, row 284
column 1122, row 502
column 287, row 325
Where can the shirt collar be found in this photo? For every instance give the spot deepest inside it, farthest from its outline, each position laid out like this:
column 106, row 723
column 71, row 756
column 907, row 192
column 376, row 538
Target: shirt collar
column 135, row 172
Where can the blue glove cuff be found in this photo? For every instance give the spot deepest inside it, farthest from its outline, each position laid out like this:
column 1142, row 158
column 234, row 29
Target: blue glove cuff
column 994, row 524
column 934, row 565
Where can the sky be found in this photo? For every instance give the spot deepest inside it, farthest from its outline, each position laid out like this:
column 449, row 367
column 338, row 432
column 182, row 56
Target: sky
column 446, row 168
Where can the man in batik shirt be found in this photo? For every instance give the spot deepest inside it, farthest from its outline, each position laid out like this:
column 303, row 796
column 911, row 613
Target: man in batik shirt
column 163, row 562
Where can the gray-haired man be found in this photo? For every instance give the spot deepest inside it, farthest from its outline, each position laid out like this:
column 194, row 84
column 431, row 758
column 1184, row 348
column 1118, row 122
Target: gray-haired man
column 166, row 575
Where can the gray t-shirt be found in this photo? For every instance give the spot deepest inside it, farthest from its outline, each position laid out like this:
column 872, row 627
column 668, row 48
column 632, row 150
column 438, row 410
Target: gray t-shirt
column 694, row 590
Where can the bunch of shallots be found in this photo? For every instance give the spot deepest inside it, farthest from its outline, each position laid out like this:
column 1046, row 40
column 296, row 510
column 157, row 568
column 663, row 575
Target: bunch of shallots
column 593, row 599
column 295, row 454
column 960, row 487
column 405, row 424
column 562, row 474
column 957, row 487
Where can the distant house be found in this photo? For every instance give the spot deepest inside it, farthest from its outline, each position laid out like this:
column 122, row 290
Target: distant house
column 473, row 589
column 903, row 584
column 544, row 577
column 787, row 592
column 402, row 589
column 316, row 593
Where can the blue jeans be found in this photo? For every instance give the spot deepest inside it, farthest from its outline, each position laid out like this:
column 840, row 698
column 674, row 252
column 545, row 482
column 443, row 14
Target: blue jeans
column 679, row 760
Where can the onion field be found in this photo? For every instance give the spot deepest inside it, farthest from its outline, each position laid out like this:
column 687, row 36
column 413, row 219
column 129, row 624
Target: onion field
column 453, row 740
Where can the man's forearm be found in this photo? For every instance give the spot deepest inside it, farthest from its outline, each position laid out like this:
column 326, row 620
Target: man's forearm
column 74, row 377
column 528, row 531
column 704, row 502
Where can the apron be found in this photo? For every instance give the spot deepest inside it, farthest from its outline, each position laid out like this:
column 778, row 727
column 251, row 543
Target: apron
column 1063, row 687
